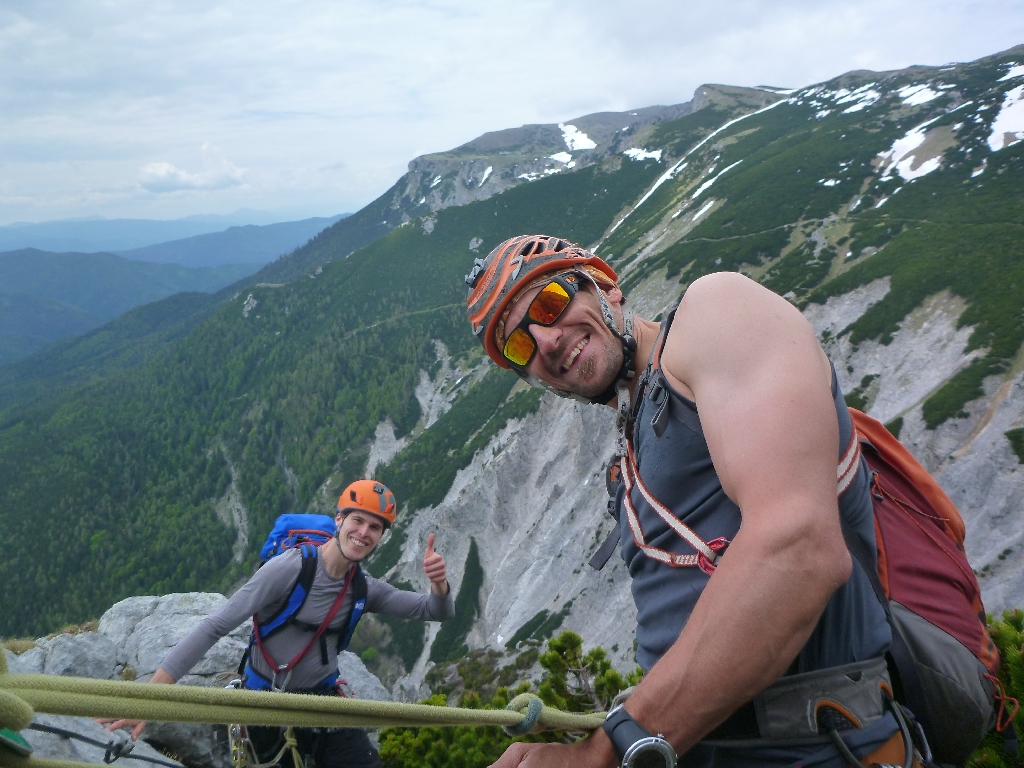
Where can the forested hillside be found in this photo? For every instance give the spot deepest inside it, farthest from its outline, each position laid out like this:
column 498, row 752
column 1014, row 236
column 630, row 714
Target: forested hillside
column 165, row 477
column 45, row 297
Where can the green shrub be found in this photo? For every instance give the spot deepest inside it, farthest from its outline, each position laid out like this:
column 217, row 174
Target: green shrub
column 1008, row 635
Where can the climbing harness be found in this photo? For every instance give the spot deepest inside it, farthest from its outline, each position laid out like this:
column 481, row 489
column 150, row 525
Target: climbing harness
column 259, row 633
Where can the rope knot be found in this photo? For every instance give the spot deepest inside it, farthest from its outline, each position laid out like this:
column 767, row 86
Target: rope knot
column 530, row 706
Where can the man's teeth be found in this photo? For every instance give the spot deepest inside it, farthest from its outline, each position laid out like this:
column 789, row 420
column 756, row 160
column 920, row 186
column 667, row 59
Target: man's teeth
column 574, row 353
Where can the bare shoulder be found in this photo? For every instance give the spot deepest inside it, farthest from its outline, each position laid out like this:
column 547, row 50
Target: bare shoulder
column 728, row 321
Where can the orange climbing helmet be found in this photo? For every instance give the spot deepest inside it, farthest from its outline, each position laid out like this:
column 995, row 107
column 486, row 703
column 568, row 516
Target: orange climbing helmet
column 369, row 496
column 496, row 279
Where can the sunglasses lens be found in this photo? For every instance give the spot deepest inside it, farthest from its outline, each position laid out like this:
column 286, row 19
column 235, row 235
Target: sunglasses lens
column 519, row 347
column 549, row 304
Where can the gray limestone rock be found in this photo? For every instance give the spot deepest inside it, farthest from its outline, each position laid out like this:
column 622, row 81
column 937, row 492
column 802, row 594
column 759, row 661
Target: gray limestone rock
column 88, row 654
column 359, row 682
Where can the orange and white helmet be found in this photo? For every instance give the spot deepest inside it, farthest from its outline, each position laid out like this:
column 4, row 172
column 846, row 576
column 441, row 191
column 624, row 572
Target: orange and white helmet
column 520, row 262
column 369, row 496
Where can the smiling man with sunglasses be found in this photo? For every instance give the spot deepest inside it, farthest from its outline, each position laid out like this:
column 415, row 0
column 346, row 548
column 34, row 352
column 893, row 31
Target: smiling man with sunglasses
column 741, row 615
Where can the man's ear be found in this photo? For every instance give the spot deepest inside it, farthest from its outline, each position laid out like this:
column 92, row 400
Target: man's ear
column 615, row 295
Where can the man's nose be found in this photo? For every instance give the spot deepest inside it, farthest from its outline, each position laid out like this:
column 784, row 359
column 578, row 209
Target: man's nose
column 547, row 337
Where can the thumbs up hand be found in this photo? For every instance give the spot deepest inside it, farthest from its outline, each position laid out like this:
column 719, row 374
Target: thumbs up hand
column 433, row 567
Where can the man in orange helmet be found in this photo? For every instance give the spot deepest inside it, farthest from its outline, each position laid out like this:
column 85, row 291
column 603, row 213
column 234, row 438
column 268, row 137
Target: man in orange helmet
column 298, row 600
column 738, row 409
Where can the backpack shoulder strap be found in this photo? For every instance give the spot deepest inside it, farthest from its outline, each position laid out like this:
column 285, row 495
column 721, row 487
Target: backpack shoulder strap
column 359, row 587
column 296, row 598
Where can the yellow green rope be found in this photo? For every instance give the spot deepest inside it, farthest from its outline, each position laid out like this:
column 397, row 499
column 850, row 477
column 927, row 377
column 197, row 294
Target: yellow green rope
column 23, row 695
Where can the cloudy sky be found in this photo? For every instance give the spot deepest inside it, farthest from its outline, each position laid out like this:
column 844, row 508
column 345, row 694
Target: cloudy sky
column 166, row 108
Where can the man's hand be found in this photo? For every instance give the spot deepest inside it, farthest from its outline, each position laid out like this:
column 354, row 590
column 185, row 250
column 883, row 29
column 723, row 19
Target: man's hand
column 433, row 567
column 595, row 751
column 137, row 726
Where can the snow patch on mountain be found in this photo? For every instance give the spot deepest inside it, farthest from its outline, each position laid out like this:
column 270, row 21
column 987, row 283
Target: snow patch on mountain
column 903, row 157
column 681, row 163
column 1016, row 70
column 642, row 154
column 915, row 95
column 707, row 184
column 703, row 210
column 575, row 139
column 1008, row 127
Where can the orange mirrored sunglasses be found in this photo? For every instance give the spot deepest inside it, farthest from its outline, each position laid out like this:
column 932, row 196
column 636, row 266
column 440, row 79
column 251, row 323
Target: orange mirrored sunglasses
column 545, row 309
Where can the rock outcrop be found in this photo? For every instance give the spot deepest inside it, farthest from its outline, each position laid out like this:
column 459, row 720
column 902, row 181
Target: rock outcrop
column 131, row 641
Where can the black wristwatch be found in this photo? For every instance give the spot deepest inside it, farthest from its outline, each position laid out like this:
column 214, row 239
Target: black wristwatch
column 635, row 746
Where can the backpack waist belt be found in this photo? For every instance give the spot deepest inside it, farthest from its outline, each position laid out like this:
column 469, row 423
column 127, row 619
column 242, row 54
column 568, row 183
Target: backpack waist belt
column 254, row 681
column 799, row 709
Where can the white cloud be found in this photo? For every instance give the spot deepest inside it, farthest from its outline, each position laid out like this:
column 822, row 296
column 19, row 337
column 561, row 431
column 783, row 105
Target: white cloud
column 94, row 92
column 166, row 177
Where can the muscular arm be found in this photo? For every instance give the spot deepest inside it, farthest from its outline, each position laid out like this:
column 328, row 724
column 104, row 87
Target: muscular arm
column 761, row 383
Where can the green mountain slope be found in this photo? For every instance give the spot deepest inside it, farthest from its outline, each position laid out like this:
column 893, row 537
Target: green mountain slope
column 121, row 344
column 276, row 395
column 28, row 323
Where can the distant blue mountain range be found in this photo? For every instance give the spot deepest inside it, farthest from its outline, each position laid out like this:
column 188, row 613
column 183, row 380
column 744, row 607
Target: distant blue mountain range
column 45, row 297
column 249, row 244
column 93, row 235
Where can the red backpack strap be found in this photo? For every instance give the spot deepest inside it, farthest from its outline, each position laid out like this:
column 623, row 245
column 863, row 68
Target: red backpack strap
column 900, row 458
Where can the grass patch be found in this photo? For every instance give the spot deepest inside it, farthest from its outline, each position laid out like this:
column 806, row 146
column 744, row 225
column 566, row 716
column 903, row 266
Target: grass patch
column 895, row 427
column 540, row 627
column 1016, row 438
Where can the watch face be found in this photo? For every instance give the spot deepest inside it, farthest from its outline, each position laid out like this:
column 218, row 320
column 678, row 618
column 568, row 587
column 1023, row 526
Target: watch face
column 652, row 752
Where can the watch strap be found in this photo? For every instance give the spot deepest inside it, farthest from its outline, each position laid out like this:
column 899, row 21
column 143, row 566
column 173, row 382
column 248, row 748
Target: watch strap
column 623, row 730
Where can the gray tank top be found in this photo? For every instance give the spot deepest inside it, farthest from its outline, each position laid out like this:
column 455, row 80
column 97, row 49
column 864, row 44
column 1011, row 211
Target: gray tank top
column 675, row 464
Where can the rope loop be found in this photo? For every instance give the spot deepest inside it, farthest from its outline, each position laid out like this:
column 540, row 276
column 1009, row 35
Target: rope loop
column 532, row 706
column 15, row 712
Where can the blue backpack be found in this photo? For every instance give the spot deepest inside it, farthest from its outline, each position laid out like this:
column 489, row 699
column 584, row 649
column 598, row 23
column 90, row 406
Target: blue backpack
column 307, row 532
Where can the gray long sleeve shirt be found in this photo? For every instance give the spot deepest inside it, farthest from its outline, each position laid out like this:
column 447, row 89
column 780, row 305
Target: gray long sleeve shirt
column 267, row 591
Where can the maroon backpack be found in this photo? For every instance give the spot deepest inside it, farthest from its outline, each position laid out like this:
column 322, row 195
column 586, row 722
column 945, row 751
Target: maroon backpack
column 942, row 659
